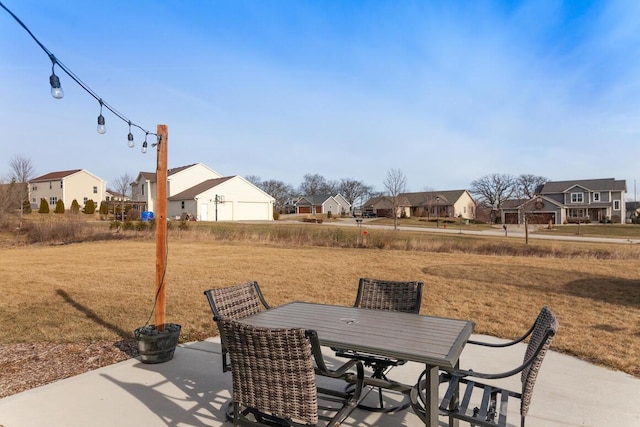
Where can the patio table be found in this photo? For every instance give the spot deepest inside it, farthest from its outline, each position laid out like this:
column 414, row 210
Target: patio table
column 435, row 341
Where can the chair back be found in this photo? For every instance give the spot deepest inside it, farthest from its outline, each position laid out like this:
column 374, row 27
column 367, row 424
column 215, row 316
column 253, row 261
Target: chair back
column 236, row 302
column 544, row 329
column 272, row 370
column 389, row 295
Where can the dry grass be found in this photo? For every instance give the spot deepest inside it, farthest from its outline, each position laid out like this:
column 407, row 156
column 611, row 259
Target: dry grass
column 96, row 291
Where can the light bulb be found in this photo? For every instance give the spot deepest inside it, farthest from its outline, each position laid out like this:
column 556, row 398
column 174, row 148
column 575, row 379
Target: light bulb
column 130, row 138
column 144, row 147
column 101, row 127
column 54, row 81
column 56, row 90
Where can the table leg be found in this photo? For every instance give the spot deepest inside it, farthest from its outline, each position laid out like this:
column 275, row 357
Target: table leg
column 431, row 404
column 454, row 422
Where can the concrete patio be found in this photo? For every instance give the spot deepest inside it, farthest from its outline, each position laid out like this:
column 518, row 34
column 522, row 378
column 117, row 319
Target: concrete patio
column 191, row 390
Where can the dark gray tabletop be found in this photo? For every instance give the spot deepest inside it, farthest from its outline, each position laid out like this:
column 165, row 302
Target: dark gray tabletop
column 425, row 339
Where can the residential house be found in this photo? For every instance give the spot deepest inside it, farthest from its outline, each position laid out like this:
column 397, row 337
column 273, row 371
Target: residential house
column 204, row 194
column 632, row 212
column 77, row 184
column 561, row 202
column 144, row 190
column 230, row 198
column 322, row 204
column 382, row 206
column 450, row 203
column 538, row 210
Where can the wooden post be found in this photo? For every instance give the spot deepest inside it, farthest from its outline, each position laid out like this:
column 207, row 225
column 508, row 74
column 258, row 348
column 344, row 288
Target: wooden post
column 161, row 228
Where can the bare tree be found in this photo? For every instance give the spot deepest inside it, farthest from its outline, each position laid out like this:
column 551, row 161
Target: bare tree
column 353, row 190
column 395, row 183
column 491, row 190
column 278, row 190
column 254, row 179
column 122, row 186
column 22, row 171
column 526, row 185
column 313, row 184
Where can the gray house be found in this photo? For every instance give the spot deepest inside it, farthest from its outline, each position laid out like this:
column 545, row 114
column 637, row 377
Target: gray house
column 562, row 202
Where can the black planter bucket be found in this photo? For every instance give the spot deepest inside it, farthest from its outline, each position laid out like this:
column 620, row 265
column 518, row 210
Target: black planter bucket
column 156, row 346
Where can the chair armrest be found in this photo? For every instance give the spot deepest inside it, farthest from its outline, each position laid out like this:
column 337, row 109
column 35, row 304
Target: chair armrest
column 506, row 344
column 471, row 373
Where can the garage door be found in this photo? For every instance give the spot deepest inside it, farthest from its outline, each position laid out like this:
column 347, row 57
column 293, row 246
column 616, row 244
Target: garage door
column 253, row 211
column 511, row 218
column 304, row 209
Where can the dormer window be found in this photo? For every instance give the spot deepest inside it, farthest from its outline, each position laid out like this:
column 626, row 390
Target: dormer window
column 576, row 197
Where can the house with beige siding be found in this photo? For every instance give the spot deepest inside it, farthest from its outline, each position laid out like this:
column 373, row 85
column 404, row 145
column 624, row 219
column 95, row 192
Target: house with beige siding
column 450, row 203
column 77, row 184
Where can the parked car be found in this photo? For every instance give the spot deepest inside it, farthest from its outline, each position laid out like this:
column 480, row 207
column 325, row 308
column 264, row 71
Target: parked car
column 368, row 214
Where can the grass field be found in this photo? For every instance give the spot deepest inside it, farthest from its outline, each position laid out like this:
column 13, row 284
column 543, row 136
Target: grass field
column 103, row 290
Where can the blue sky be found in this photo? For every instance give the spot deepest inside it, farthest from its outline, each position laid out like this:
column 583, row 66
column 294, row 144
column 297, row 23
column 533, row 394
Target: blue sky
column 447, row 91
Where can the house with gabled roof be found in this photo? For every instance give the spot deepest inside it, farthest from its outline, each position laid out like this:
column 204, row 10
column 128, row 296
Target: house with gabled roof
column 449, row 203
column 537, row 210
column 560, row 202
column 143, row 189
column 200, row 192
column 322, row 204
column 382, row 206
column 230, row 198
column 77, row 184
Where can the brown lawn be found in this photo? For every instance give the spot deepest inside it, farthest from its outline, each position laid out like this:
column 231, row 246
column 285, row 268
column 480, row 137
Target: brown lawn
column 103, row 290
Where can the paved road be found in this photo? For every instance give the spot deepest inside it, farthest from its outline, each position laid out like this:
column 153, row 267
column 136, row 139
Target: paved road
column 513, row 231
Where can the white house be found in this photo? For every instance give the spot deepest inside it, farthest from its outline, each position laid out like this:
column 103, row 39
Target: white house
column 78, row 184
column 178, row 179
column 231, row 198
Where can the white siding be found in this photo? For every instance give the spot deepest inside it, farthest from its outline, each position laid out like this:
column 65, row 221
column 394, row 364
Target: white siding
column 187, row 178
column 242, row 202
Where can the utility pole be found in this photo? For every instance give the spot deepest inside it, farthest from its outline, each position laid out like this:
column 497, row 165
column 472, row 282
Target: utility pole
column 161, row 228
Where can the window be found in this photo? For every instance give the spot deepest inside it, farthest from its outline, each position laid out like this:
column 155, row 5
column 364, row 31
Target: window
column 142, row 189
column 575, row 213
column 61, row 183
column 50, row 185
column 576, row 197
column 596, row 197
column 182, row 204
column 95, row 190
column 34, row 187
column 616, row 205
column 85, row 200
column 53, row 200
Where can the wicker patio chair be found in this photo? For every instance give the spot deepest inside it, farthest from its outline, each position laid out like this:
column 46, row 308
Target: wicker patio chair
column 235, row 302
column 386, row 295
column 274, row 377
column 491, row 409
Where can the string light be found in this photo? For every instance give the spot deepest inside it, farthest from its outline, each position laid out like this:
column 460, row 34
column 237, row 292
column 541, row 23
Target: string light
column 54, row 81
column 101, row 127
column 144, row 144
column 57, row 92
column 130, row 142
